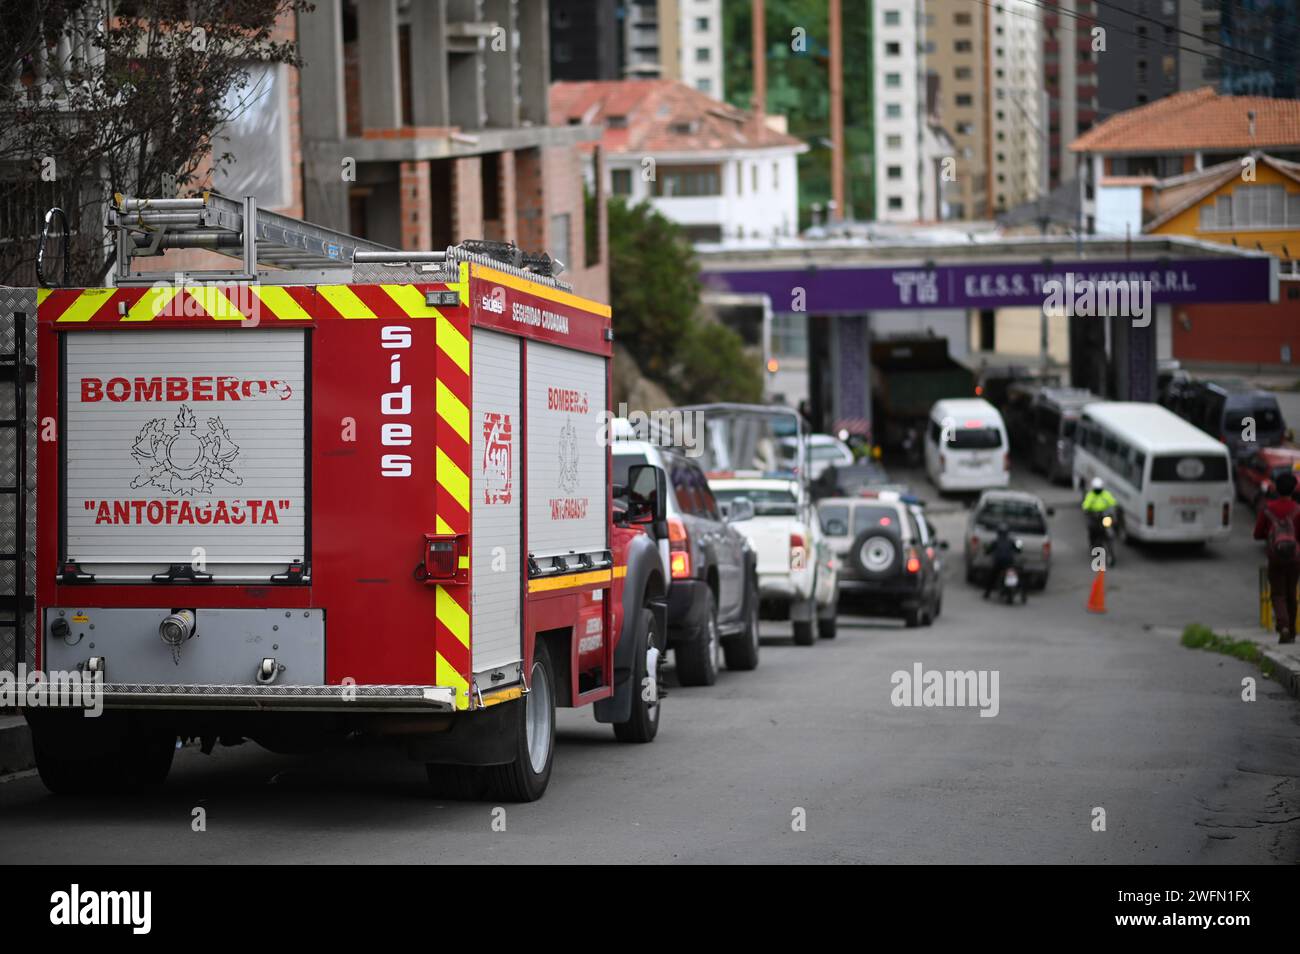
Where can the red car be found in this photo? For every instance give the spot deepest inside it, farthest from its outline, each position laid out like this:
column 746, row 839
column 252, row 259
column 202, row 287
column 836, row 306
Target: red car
column 1256, row 472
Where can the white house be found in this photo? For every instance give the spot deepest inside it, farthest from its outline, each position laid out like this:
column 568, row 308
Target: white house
column 724, row 174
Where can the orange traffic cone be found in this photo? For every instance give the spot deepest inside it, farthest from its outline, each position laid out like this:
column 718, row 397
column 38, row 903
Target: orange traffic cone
column 1097, row 598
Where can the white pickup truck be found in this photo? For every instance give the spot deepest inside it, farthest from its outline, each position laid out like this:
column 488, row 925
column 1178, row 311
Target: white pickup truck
column 798, row 576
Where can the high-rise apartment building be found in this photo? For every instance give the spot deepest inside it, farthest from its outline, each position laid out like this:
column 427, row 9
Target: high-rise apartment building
column 1070, row 81
column 897, row 39
column 986, row 65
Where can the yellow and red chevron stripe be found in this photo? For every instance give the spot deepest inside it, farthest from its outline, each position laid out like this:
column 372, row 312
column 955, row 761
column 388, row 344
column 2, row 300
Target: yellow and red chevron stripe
column 246, row 303
column 453, row 469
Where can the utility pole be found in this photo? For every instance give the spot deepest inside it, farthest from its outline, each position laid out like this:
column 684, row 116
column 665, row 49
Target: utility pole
column 837, row 114
column 759, row 42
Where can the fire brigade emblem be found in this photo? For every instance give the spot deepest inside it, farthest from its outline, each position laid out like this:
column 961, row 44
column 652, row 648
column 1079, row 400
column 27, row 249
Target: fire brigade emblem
column 569, row 459
column 174, row 456
column 496, row 458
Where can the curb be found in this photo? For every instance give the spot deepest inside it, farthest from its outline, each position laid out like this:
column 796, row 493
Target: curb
column 15, row 745
column 1286, row 670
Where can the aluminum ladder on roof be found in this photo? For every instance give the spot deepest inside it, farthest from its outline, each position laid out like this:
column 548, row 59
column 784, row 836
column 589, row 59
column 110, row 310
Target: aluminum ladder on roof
column 147, row 227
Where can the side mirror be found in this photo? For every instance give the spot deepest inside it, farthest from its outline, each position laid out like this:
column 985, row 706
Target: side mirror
column 943, row 544
column 1051, row 511
column 647, row 497
column 741, row 509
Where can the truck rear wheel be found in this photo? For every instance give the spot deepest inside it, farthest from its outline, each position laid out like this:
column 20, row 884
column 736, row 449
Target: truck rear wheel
column 697, row 661
column 643, row 722
column 741, row 650
column 525, row 779
column 106, row 754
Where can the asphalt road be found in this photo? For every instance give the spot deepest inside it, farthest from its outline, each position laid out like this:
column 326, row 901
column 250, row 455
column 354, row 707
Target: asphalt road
column 1104, row 712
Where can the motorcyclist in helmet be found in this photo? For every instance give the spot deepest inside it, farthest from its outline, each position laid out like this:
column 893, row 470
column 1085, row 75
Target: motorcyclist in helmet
column 1099, row 499
column 1004, row 550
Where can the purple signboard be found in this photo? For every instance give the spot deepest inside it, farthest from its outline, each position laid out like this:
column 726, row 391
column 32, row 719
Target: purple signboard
column 829, row 290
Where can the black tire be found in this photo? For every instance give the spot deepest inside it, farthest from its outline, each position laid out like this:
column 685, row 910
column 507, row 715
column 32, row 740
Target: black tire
column 912, row 619
column 804, row 634
column 525, row 779
column 938, row 606
column 108, row 754
column 826, row 628
column 697, row 661
column 741, row 652
column 643, row 722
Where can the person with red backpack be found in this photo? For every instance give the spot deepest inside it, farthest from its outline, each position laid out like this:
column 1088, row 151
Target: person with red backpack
column 1279, row 524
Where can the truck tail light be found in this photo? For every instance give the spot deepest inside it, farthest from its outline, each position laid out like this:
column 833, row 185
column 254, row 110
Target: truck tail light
column 943, row 461
column 1227, row 513
column 679, row 553
column 913, row 562
column 1047, row 549
column 445, row 559
column 1151, row 515
column 798, row 554
column 1006, row 462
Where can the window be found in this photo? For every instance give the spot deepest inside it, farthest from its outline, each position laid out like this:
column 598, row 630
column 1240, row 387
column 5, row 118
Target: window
column 560, row 237
column 961, row 46
column 703, row 54
column 1171, row 469
column 687, row 181
column 965, row 99
column 893, row 142
column 704, row 85
column 893, row 49
column 701, row 24
column 894, row 172
column 891, row 18
column 620, row 181
column 753, row 176
column 893, row 111
column 893, row 80
column 965, row 129
column 776, row 175
column 895, row 203
column 962, row 73
column 616, row 122
column 961, row 19
column 975, row 438
column 1253, row 207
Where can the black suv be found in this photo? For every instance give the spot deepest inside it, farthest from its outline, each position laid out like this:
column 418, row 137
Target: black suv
column 713, row 588
column 890, row 559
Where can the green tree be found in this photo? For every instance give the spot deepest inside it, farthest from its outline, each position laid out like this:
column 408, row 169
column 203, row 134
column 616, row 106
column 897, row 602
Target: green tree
column 654, row 284
column 134, row 103
column 798, row 87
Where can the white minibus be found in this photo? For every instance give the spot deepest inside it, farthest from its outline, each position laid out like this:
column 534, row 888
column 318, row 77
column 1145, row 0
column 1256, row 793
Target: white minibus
column 966, row 446
column 1173, row 481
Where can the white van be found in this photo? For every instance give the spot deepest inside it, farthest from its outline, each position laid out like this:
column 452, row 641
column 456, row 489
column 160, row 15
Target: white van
column 966, row 446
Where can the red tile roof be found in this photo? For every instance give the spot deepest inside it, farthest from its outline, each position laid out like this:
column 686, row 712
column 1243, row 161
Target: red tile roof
column 661, row 116
column 1197, row 119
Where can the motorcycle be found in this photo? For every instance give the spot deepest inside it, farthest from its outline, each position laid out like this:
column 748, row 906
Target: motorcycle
column 1102, row 533
column 1010, row 585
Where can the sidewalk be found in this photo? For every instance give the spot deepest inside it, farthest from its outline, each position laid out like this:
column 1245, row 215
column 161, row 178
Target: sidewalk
column 15, row 745
column 1285, row 658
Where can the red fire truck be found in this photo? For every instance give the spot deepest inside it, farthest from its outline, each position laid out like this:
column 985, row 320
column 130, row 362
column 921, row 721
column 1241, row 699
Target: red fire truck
column 342, row 490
